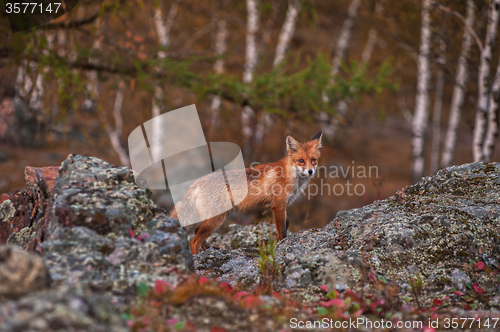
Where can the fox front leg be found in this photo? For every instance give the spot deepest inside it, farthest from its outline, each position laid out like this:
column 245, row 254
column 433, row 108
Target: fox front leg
column 280, row 220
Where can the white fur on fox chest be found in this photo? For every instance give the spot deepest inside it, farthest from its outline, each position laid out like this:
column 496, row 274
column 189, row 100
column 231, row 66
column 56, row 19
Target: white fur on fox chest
column 301, row 182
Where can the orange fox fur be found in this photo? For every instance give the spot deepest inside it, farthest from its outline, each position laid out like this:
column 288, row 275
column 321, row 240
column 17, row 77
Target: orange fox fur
column 278, row 183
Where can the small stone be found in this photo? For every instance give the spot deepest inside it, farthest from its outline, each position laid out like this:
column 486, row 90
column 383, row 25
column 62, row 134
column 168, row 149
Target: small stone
column 21, row 272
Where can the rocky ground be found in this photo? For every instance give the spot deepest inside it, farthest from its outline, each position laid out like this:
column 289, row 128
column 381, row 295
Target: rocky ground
column 88, row 250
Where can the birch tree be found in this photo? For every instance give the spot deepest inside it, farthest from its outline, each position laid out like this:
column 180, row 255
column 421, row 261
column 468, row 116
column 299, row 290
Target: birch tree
column 483, row 118
column 421, row 113
column 436, row 114
column 220, row 49
column 493, row 108
column 163, row 33
column 36, row 99
column 287, row 31
column 286, row 34
column 342, row 42
column 457, row 99
column 372, row 36
column 115, row 134
column 250, row 63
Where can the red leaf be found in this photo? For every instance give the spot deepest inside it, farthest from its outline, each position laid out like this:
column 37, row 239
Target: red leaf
column 323, row 287
column 202, row 280
column 172, row 321
column 333, row 302
column 480, row 265
column 252, row 300
column 131, row 232
column 276, row 295
column 437, row 302
column 142, row 236
column 467, row 307
column 161, row 286
column 459, row 293
column 227, row 287
column 155, row 303
column 372, row 277
column 241, row 294
column 478, row 289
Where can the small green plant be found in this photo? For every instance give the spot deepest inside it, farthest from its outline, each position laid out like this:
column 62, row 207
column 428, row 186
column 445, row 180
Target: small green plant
column 416, row 287
column 267, row 264
column 267, row 261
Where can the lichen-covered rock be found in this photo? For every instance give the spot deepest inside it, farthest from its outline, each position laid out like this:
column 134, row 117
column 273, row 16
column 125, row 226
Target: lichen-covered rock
column 79, row 254
column 21, row 272
column 65, row 308
column 100, row 229
column 92, row 193
column 429, row 232
column 16, row 213
column 104, row 199
column 7, row 210
column 248, row 237
column 231, row 266
column 95, row 226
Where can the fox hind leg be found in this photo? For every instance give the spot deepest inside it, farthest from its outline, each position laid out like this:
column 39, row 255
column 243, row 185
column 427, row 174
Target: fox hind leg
column 204, row 230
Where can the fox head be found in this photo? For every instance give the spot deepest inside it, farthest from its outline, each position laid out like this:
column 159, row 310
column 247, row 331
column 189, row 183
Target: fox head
column 304, row 156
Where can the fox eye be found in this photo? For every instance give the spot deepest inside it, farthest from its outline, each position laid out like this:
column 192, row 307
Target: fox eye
column 313, row 160
column 301, row 161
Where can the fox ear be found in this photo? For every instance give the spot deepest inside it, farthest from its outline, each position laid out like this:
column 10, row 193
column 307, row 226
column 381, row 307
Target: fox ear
column 292, row 145
column 318, row 137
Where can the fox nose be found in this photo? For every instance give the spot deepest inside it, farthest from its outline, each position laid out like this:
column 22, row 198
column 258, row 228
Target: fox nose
column 310, row 171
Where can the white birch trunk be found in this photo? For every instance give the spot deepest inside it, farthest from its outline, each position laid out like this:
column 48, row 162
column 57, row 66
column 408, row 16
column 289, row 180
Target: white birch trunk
column 372, row 37
column 220, row 49
column 284, row 39
column 481, row 123
column 115, row 135
column 36, row 100
column 436, row 114
column 163, row 33
column 492, row 104
column 250, row 63
column 23, row 80
column 457, row 99
column 421, row 113
column 287, row 31
column 342, row 42
column 344, row 38
column 251, row 43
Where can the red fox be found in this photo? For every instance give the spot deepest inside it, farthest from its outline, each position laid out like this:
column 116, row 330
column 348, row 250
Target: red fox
column 278, row 183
